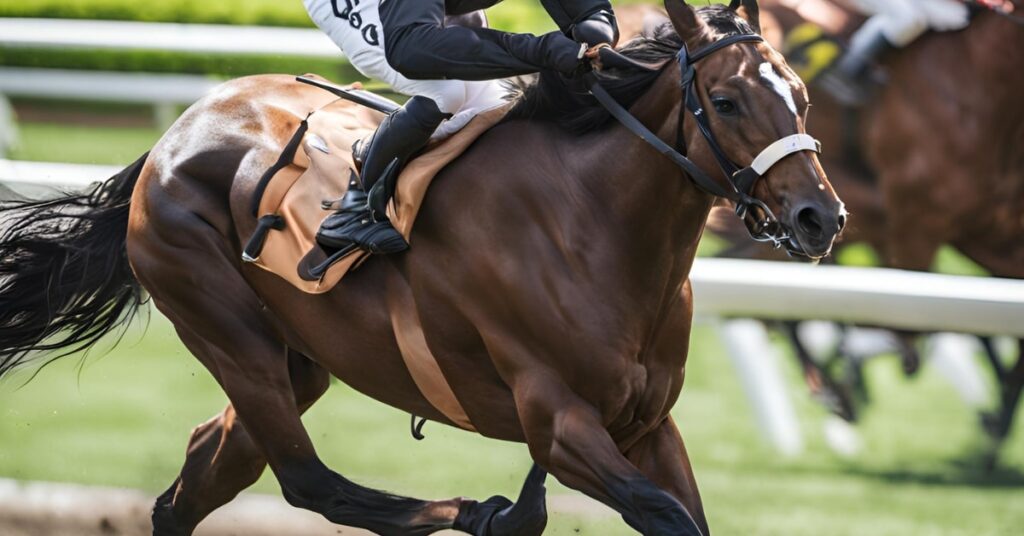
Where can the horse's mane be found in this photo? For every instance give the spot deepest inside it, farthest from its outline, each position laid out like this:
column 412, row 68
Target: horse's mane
column 553, row 97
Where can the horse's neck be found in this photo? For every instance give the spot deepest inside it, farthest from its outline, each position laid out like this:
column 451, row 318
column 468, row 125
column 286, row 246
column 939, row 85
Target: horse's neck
column 649, row 216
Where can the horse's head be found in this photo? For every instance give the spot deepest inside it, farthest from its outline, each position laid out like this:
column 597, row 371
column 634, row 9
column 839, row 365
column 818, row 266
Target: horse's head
column 756, row 112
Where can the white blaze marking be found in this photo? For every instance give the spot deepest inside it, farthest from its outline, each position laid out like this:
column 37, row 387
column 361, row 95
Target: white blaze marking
column 778, row 84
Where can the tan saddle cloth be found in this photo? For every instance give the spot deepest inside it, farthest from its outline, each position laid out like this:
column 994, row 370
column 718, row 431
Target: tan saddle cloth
column 319, row 171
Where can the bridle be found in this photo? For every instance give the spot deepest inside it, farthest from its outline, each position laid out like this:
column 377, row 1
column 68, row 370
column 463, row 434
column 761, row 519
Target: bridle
column 741, row 181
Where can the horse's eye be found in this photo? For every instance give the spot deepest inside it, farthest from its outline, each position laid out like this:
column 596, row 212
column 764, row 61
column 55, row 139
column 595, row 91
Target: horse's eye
column 724, row 106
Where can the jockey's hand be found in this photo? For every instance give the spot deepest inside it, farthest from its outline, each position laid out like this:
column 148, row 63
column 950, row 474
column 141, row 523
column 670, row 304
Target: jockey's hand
column 589, row 59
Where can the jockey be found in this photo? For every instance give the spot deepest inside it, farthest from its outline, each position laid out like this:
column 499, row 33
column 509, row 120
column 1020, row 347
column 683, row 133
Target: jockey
column 449, row 71
column 892, row 24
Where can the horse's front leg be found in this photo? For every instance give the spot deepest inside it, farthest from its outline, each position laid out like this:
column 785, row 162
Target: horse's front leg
column 565, row 435
column 661, row 455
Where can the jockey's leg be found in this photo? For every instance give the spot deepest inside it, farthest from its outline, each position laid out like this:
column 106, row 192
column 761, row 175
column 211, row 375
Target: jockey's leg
column 480, row 96
column 893, row 24
column 362, row 219
column 359, row 34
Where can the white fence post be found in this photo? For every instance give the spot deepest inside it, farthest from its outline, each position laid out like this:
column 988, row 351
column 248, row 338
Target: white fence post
column 757, row 365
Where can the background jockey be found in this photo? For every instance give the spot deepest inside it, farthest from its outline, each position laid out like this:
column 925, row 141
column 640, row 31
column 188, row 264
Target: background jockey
column 892, row 23
column 449, row 71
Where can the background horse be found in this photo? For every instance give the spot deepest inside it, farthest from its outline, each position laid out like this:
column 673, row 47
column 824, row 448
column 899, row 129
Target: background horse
column 935, row 158
column 551, row 283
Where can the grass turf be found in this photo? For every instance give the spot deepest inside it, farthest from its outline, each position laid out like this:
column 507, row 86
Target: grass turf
column 122, row 419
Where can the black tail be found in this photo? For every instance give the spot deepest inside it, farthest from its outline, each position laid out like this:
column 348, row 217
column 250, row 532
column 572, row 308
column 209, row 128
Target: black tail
column 64, row 275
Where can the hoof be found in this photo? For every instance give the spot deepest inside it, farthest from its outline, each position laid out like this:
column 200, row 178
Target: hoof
column 164, row 522
column 529, row 515
column 498, row 516
column 660, row 514
column 475, row 517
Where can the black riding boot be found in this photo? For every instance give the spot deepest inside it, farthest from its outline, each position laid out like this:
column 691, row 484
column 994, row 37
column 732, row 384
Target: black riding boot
column 849, row 80
column 362, row 218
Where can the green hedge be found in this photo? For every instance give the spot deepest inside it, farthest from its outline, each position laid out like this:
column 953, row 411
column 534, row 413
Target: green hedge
column 168, row 62
column 262, row 12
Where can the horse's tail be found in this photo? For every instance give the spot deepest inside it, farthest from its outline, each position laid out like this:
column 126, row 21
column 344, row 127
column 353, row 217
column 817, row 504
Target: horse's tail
column 65, row 281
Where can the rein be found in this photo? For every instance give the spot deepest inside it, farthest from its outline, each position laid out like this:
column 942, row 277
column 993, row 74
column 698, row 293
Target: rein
column 741, row 181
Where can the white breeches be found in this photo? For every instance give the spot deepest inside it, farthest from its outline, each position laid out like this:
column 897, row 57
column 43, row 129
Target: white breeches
column 903, row 21
column 357, row 32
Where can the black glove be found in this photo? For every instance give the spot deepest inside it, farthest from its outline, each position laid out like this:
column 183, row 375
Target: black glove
column 597, row 28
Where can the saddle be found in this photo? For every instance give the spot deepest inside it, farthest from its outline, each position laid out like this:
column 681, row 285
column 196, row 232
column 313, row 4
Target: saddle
column 315, row 169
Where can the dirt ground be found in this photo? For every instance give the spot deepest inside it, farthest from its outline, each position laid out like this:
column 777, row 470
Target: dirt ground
column 48, row 509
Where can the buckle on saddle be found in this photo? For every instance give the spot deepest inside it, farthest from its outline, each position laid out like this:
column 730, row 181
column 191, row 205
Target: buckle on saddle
column 360, row 148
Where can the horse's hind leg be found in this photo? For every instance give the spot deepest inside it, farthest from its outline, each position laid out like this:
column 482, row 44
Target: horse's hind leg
column 223, row 323
column 222, row 459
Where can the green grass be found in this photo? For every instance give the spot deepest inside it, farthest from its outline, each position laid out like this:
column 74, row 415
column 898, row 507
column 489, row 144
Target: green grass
column 123, row 420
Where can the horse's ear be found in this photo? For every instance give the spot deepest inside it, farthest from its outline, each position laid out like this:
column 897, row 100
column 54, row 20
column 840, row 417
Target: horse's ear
column 748, row 10
column 686, row 21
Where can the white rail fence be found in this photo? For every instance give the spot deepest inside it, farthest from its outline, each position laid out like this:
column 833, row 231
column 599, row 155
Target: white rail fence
column 164, row 91
column 193, row 38
column 741, row 288
column 733, row 289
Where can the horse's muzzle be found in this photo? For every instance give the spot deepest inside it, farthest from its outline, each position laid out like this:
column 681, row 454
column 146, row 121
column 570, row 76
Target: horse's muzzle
column 814, row 228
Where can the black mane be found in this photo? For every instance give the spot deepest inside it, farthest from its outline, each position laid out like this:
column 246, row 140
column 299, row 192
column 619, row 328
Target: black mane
column 552, row 97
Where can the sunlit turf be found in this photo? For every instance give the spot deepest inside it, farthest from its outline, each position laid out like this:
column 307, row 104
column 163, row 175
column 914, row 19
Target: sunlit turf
column 123, row 420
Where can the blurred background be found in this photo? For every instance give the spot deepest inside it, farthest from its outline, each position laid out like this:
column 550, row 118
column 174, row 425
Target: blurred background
column 913, row 456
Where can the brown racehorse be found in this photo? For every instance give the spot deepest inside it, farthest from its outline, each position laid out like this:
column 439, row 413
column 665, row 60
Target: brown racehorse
column 938, row 158
column 549, row 270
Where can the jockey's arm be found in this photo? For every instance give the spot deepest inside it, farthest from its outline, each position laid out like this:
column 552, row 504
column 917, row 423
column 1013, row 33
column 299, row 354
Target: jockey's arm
column 420, row 46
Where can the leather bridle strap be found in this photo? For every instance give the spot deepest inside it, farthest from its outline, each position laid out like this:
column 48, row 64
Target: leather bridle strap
column 634, row 125
column 740, row 181
column 702, row 180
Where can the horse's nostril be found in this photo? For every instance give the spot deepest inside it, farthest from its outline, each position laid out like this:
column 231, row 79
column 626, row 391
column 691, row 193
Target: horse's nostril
column 842, row 221
column 809, row 221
